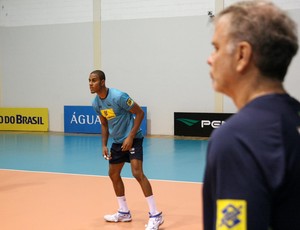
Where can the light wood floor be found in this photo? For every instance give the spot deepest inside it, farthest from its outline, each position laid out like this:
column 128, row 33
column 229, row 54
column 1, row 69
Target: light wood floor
column 53, row 201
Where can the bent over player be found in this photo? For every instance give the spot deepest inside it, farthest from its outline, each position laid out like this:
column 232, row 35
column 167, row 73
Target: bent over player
column 116, row 111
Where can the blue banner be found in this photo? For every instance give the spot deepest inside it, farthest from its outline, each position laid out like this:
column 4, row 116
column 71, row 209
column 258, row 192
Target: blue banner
column 83, row 119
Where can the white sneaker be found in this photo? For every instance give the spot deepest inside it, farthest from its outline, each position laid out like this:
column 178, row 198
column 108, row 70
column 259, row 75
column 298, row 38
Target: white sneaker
column 118, row 217
column 154, row 221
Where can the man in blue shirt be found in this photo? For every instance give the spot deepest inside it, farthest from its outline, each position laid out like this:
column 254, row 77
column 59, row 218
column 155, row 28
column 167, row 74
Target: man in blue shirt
column 252, row 175
column 116, row 111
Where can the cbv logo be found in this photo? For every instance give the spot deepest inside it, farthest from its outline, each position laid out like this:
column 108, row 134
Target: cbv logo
column 215, row 124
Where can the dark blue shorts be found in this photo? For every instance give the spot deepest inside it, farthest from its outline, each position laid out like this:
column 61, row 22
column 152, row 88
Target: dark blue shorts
column 118, row 156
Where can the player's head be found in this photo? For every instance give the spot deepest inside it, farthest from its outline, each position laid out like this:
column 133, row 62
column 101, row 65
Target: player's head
column 97, row 81
column 99, row 73
column 269, row 31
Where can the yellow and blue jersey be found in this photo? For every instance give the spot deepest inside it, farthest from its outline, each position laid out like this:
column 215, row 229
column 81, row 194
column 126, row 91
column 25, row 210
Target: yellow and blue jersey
column 115, row 108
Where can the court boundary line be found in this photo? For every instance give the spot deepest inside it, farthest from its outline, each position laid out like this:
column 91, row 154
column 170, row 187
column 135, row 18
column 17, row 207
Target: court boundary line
column 150, row 136
column 88, row 175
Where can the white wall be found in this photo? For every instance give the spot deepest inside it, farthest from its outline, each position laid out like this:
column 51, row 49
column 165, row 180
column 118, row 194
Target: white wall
column 155, row 50
column 46, row 66
column 161, row 63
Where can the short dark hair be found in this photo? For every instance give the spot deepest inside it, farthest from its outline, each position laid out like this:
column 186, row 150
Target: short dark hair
column 100, row 74
column 269, row 30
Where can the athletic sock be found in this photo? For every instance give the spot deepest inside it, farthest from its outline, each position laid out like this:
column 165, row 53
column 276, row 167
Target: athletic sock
column 152, row 207
column 122, row 204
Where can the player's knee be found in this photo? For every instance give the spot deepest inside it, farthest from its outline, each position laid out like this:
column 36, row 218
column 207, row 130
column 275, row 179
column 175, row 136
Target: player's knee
column 137, row 174
column 114, row 176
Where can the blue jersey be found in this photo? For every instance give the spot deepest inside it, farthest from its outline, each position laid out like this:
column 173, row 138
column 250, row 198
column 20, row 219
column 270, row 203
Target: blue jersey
column 252, row 175
column 115, row 108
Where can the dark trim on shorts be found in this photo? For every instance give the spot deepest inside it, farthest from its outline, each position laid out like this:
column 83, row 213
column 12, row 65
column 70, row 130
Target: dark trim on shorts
column 118, row 156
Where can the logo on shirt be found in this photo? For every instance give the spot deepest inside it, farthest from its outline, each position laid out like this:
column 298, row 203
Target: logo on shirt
column 108, row 113
column 129, row 102
column 231, row 214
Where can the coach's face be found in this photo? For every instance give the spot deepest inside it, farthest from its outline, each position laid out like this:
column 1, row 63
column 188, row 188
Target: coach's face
column 221, row 60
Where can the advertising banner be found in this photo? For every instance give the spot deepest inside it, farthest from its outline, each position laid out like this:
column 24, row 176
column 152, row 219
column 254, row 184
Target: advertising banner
column 198, row 124
column 83, row 119
column 24, row 119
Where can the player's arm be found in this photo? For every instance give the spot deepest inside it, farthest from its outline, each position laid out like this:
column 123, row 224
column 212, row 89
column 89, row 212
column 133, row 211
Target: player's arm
column 139, row 116
column 105, row 134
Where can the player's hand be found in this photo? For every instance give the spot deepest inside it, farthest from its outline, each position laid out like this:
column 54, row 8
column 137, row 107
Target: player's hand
column 106, row 154
column 127, row 144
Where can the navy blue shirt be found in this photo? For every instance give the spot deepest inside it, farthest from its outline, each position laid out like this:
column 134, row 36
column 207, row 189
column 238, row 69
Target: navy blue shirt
column 252, row 175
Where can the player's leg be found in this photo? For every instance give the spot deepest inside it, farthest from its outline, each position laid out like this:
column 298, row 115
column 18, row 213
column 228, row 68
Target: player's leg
column 123, row 213
column 116, row 163
column 115, row 177
column 138, row 174
column 155, row 217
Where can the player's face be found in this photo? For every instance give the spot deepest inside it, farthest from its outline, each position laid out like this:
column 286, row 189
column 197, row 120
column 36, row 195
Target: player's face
column 94, row 83
column 221, row 60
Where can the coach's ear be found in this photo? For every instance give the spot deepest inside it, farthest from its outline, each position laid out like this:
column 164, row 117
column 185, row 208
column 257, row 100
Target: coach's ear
column 244, row 54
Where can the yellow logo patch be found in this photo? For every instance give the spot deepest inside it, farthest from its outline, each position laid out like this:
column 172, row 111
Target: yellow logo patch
column 231, row 214
column 108, row 113
column 129, row 102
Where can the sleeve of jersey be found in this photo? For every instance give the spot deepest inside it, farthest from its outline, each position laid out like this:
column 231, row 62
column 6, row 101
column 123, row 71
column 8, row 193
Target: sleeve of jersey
column 236, row 185
column 126, row 102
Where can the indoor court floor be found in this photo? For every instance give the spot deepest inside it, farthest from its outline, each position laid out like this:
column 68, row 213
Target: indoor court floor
column 57, row 181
